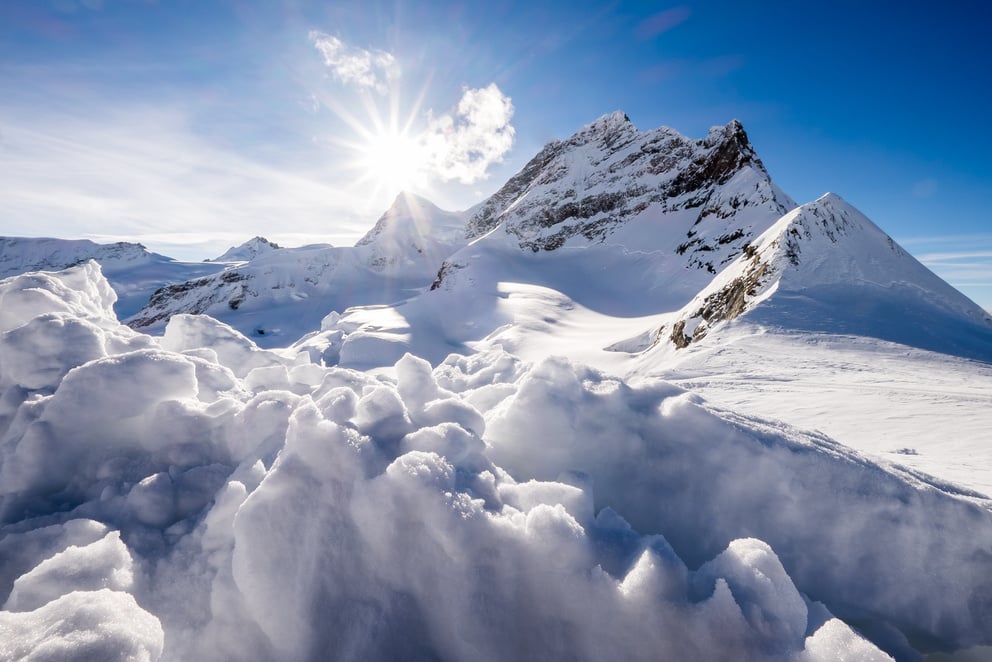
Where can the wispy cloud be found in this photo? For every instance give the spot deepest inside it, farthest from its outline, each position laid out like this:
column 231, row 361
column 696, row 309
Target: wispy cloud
column 663, row 21
column 964, row 261
column 143, row 173
column 372, row 69
column 955, row 256
column 464, row 143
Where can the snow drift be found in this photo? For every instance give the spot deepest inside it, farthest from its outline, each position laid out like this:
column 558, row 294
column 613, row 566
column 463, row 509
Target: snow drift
column 196, row 497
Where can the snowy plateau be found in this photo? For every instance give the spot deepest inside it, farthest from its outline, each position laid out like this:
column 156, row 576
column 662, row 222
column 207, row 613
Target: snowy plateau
column 638, row 404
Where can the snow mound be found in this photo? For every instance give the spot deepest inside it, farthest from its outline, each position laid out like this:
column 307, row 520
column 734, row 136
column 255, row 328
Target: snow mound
column 202, row 498
column 133, row 272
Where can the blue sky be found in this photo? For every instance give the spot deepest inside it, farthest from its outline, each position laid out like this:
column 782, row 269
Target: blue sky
column 190, row 125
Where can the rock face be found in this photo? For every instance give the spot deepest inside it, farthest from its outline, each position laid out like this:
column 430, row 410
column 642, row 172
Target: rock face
column 705, row 198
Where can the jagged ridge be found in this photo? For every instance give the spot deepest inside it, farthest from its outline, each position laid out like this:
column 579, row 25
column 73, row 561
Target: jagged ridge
column 608, row 173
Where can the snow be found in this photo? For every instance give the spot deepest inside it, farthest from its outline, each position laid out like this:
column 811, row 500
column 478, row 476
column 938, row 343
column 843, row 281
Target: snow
column 571, row 502
column 354, row 456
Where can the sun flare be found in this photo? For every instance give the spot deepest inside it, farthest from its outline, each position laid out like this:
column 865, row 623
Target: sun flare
column 394, row 160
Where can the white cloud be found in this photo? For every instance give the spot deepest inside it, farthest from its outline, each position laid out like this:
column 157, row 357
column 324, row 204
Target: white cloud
column 463, row 144
column 372, row 69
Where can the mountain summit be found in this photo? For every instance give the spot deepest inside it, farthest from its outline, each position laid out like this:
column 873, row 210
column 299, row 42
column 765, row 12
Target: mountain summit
column 611, row 183
column 247, row 251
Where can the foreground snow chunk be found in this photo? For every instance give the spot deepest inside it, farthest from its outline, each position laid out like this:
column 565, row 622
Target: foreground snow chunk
column 84, row 625
column 204, row 499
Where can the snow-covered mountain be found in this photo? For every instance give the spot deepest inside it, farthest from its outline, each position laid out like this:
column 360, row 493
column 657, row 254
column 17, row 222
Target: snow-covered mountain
column 685, row 203
column 615, row 411
column 610, row 182
column 281, row 294
column 825, row 267
column 22, row 254
column 247, row 251
column 133, row 271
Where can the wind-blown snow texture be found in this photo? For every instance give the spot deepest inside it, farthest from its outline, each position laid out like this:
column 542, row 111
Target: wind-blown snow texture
column 196, row 496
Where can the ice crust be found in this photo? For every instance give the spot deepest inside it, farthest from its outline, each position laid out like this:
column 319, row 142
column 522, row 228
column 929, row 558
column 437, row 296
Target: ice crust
column 196, row 497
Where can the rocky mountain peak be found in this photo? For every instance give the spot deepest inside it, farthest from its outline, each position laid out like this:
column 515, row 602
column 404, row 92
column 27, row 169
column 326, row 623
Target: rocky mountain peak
column 590, row 186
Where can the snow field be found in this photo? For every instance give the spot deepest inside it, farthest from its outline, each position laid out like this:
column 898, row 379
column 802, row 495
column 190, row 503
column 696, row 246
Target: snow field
column 154, row 502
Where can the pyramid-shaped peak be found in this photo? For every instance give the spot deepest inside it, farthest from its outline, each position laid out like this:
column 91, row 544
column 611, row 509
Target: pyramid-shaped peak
column 406, row 203
column 413, row 215
column 826, row 267
column 249, row 250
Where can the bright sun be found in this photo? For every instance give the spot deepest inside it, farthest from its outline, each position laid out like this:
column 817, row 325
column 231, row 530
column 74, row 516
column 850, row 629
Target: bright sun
column 394, row 160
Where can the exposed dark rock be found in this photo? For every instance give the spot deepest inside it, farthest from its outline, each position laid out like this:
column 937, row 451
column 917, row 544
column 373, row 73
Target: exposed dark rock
column 487, row 218
column 731, row 301
column 678, row 335
column 723, row 305
column 446, row 269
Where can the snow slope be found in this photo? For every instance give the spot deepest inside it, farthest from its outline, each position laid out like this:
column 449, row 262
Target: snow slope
column 251, row 504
